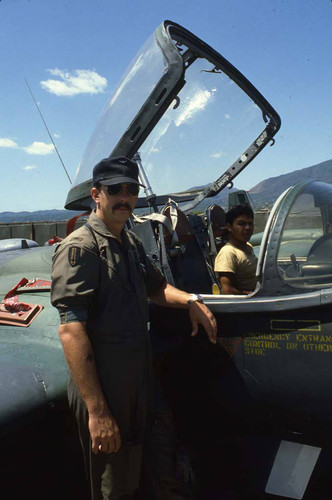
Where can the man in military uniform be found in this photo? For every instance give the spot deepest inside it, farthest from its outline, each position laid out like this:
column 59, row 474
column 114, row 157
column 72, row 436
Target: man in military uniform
column 102, row 279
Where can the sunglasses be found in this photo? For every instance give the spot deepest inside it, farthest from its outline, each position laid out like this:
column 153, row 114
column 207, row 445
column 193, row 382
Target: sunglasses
column 115, row 189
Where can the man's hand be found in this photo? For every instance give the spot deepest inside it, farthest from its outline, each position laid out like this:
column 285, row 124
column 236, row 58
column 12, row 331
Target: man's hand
column 200, row 314
column 105, row 434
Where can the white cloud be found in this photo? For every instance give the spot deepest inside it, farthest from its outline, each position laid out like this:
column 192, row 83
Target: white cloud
column 29, row 167
column 227, row 116
column 155, row 150
column 78, row 81
column 219, row 154
column 7, row 143
column 56, row 136
column 39, row 148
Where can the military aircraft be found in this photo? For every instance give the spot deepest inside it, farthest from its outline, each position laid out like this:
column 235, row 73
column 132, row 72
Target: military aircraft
column 265, row 385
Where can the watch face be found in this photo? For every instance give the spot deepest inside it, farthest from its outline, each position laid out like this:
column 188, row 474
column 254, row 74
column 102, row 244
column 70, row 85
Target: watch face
column 195, row 298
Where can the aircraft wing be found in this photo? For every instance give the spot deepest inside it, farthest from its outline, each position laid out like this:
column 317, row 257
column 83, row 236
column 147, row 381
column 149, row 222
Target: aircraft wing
column 33, row 373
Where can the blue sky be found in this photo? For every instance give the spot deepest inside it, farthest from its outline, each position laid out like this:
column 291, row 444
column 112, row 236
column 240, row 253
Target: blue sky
column 73, row 53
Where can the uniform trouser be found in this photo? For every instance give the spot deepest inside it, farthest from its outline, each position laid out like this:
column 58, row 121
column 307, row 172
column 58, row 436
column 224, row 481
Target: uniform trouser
column 110, row 475
column 115, row 474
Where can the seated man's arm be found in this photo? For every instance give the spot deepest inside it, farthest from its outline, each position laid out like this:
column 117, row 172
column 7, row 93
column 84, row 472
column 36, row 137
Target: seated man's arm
column 227, row 285
column 226, row 265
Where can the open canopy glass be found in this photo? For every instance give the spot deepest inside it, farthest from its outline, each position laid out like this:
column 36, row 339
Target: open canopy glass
column 196, row 121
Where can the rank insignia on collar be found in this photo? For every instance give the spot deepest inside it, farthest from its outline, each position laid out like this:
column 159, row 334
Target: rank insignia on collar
column 74, row 256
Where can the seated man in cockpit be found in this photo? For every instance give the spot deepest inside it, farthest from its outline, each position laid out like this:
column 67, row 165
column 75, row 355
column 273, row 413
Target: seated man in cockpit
column 236, row 262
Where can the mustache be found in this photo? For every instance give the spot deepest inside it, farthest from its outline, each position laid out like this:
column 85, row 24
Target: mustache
column 122, row 205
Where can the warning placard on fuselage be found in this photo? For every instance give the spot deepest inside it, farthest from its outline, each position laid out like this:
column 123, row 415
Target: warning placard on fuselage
column 288, row 335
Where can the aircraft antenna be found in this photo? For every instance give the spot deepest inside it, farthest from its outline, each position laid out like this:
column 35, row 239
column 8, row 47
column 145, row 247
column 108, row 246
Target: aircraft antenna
column 49, row 133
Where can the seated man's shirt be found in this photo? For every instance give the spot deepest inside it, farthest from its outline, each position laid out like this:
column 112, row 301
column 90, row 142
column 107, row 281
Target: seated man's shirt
column 242, row 264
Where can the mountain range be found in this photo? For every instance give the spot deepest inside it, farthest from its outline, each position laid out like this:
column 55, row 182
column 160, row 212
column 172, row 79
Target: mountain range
column 262, row 195
column 37, row 216
column 265, row 193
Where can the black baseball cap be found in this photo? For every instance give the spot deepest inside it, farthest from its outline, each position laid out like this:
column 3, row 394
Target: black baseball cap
column 116, row 170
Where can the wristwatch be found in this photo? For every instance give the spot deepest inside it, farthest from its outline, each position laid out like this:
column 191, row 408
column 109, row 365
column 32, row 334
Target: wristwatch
column 194, row 298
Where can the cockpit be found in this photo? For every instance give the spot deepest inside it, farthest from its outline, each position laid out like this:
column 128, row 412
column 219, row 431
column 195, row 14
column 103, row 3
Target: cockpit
column 302, row 233
column 193, row 122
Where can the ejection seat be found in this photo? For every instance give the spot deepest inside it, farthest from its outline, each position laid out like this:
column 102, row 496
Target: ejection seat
column 216, row 231
column 216, row 227
column 187, row 251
